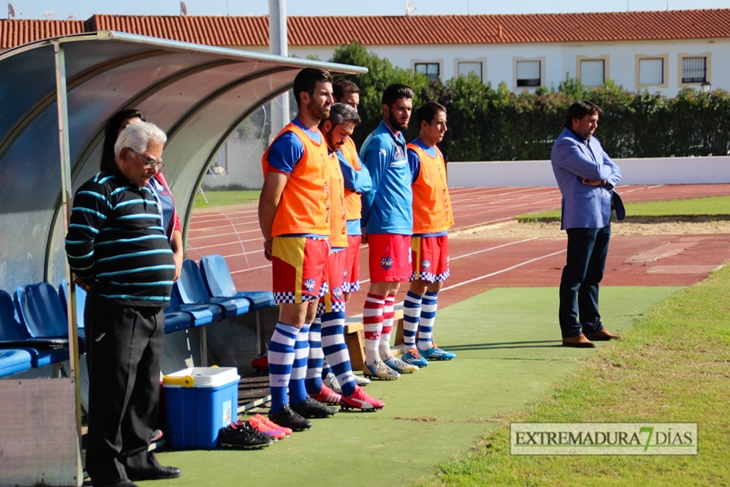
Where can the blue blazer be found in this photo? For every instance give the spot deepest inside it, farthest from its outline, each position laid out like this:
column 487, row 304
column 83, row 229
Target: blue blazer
column 583, row 206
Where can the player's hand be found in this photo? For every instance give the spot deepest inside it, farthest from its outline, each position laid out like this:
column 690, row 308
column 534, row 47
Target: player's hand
column 267, row 250
column 364, row 238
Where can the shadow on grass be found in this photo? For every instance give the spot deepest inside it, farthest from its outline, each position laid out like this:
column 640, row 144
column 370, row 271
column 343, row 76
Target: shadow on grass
column 491, row 346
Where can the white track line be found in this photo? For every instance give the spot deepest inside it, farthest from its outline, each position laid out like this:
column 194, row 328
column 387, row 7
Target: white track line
column 493, row 248
column 478, row 252
column 251, row 269
column 501, row 271
column 222, row 234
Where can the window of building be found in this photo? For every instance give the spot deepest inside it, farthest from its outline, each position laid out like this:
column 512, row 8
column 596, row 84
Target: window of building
column 432, row 70
column 651, row 71
column 464, row 68
column 528, row 73
column 592, row 72
column 694, row 69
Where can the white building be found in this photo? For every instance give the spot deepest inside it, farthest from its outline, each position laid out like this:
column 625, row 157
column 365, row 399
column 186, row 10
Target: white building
column 662, row 51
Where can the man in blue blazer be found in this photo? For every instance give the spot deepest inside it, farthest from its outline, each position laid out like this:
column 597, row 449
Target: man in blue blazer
column 586, row 177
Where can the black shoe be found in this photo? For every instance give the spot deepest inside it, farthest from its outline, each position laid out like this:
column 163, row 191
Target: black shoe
column 154, row 474
column 121, row 483
column 242, row 435
column 290, row 419
column 311, row 408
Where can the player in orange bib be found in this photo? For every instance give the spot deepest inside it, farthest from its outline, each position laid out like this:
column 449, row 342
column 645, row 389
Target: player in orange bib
column 327, row 337
column 432, row 217
column 294, row 214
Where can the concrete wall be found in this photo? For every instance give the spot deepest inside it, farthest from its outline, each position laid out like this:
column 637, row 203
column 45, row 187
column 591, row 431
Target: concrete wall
column 671, row 170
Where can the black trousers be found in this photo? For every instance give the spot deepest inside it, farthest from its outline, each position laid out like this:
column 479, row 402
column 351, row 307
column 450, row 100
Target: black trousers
column 586, row 261
column 124, row 349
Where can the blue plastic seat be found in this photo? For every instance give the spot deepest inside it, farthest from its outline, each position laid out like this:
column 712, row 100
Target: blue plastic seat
column 39, row 309
column 219, row 283
column 13, row 335
column 13, row 361
column 176, row 320
column 190, row 289
column 200, row 314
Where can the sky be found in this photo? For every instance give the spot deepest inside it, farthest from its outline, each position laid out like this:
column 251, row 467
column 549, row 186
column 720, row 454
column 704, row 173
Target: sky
column 83, row 9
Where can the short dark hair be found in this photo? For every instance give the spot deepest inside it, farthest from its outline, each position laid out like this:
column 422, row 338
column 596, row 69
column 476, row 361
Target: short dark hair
column 307, row 80
column 395, row 92
column 579, row 110
column 110, row 135
column 427, row 111
column 341, row 113
column 341, row 87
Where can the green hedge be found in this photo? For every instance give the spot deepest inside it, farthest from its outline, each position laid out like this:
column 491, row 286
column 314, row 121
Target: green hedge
column 495, row 124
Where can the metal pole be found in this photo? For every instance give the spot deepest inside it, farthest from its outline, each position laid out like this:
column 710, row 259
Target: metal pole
column 278, row 45
column 63, row 141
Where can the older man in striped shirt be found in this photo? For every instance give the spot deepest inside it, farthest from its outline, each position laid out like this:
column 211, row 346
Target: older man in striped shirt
column 117, row 247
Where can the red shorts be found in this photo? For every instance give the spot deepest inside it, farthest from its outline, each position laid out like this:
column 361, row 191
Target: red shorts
column 299, row 267
column 351, row 281
column 390, row 257
column 334, row 300
column 430, row 258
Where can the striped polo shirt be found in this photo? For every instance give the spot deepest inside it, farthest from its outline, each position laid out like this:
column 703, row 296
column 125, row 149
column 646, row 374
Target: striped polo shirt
column 116, row 242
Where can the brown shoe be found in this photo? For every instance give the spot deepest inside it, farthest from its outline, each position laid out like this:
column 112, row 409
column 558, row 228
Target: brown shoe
column 603, row 335
column 579, row 341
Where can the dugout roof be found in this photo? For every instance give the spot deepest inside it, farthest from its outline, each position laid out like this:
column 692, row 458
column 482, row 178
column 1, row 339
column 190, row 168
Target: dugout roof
column 197, row 94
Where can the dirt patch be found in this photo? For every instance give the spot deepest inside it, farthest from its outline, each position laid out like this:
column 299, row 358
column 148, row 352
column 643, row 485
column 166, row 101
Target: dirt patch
column 515, row 230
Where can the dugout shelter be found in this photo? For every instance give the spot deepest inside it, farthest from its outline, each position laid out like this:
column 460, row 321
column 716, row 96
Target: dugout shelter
column 55, row 98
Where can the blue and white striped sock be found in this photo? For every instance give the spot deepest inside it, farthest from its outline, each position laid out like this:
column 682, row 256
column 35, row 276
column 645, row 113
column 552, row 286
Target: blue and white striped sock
column 297, row 389
column 335, row 349
column 428, row 317
column 313, row 381
column 281, row 358
column 411, row 319
column 326, row 369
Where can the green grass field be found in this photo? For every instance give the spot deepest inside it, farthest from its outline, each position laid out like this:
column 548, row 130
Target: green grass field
column 509, row 355
column 696, row 207
column 225, row 198
column 672, row 366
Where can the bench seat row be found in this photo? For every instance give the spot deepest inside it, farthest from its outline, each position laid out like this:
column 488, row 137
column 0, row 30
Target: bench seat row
column 33, row 323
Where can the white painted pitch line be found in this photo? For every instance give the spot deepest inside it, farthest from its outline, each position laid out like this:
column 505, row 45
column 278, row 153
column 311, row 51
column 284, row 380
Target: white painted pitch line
column 463, row 283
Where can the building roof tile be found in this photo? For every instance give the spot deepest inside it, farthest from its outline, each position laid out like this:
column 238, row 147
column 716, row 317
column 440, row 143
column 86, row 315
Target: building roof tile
column 17, row 32
column 395, row 30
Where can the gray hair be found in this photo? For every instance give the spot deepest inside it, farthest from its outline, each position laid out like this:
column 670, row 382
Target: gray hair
column 137, row 136
column 341, row 113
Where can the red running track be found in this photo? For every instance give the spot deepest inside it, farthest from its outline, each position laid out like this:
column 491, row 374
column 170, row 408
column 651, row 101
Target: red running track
column 481, row 264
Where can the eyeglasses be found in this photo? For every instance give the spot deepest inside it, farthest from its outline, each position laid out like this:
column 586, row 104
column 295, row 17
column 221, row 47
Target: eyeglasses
column 151, row 163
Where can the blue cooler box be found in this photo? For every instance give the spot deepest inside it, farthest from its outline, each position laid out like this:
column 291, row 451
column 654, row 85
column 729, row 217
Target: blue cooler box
column 200, row 401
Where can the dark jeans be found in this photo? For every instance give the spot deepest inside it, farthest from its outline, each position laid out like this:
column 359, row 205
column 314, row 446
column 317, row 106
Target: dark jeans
column 586, row 261
column 124, row 348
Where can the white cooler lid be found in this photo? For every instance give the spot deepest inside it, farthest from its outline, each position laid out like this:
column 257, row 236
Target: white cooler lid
column 201, row 377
